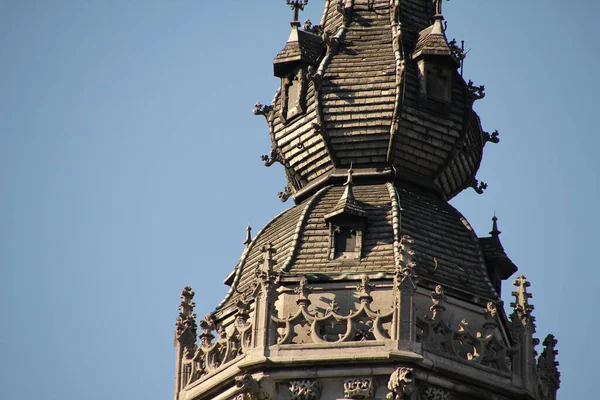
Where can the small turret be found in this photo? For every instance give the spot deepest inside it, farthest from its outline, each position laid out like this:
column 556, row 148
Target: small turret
column 499, row 266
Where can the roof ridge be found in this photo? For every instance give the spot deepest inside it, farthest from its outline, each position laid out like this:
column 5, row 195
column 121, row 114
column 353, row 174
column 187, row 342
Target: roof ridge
column 396, row 218
column 241, row 263
column 301, row 222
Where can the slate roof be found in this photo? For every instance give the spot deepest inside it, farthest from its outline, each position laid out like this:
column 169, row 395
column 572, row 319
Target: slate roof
column 447, row 250
column 367, row 111
column 432, row 44
column 308, row 48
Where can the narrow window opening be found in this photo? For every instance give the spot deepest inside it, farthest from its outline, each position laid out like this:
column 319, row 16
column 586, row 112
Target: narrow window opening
column 437, row 83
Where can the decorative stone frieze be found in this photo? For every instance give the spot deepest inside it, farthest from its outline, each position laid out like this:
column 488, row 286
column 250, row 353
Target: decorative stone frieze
column 358, row 388
column 305, row 389
column 434, row 393
column 401, row 384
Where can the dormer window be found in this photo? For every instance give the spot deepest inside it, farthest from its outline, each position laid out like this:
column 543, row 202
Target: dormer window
column 347, row 223
column 435, row 81
column 346, row 242
column 438, row 83
column 436, row 65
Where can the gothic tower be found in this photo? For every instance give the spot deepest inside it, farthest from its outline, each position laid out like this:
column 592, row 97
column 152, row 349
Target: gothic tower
column 372, row 286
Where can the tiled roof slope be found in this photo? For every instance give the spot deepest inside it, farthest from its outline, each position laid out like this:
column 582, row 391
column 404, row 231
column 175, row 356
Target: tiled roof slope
column 308, row 47
column 447, row 250
column 432, row 44
column 358, row 92
column 365, row 107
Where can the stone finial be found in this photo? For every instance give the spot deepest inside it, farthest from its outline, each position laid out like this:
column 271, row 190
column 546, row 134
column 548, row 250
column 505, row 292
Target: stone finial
column 548, row 369
column 302, row 291
column 264, row 272
column 305, row 389
column 521, row 306
column 208, row 326
column 248, row 239
column 495, row 232
column 358, row 388
column 401, row 384
column 243, row 312
column 186, row 322
column 405, row 266
column 348, row 193
column 365, row 287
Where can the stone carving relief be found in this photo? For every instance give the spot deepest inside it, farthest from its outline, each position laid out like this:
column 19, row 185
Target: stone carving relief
column 330, row 326
column 250, row 389
column 433, row 393
column 477, row 346
column 401, row 384
column 305, row 389
column 358, row 388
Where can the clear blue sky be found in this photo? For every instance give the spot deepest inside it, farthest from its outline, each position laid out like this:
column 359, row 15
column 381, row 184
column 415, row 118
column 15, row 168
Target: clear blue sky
column 129, row 168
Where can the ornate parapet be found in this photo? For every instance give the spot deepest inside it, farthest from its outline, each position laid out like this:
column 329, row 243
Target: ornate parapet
column 477, row 345
column 308, row 325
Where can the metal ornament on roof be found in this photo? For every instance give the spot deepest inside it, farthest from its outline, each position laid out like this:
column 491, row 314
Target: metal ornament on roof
column 438, row 6
column 296, row 6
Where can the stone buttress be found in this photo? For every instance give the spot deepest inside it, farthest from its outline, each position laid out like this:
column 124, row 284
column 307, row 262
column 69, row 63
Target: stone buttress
column 372, row 286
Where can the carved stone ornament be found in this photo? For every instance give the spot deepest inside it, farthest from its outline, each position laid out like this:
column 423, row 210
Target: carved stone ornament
column 433, row 393
column 250, row 388
column 358, row 388
column 405, row 266
column 330, row 326
column 401, row 384
column 285, row 195
column 305, row 389
column 186, row 322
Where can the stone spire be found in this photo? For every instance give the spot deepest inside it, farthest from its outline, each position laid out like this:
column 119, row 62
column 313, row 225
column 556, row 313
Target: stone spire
column 375, row 130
